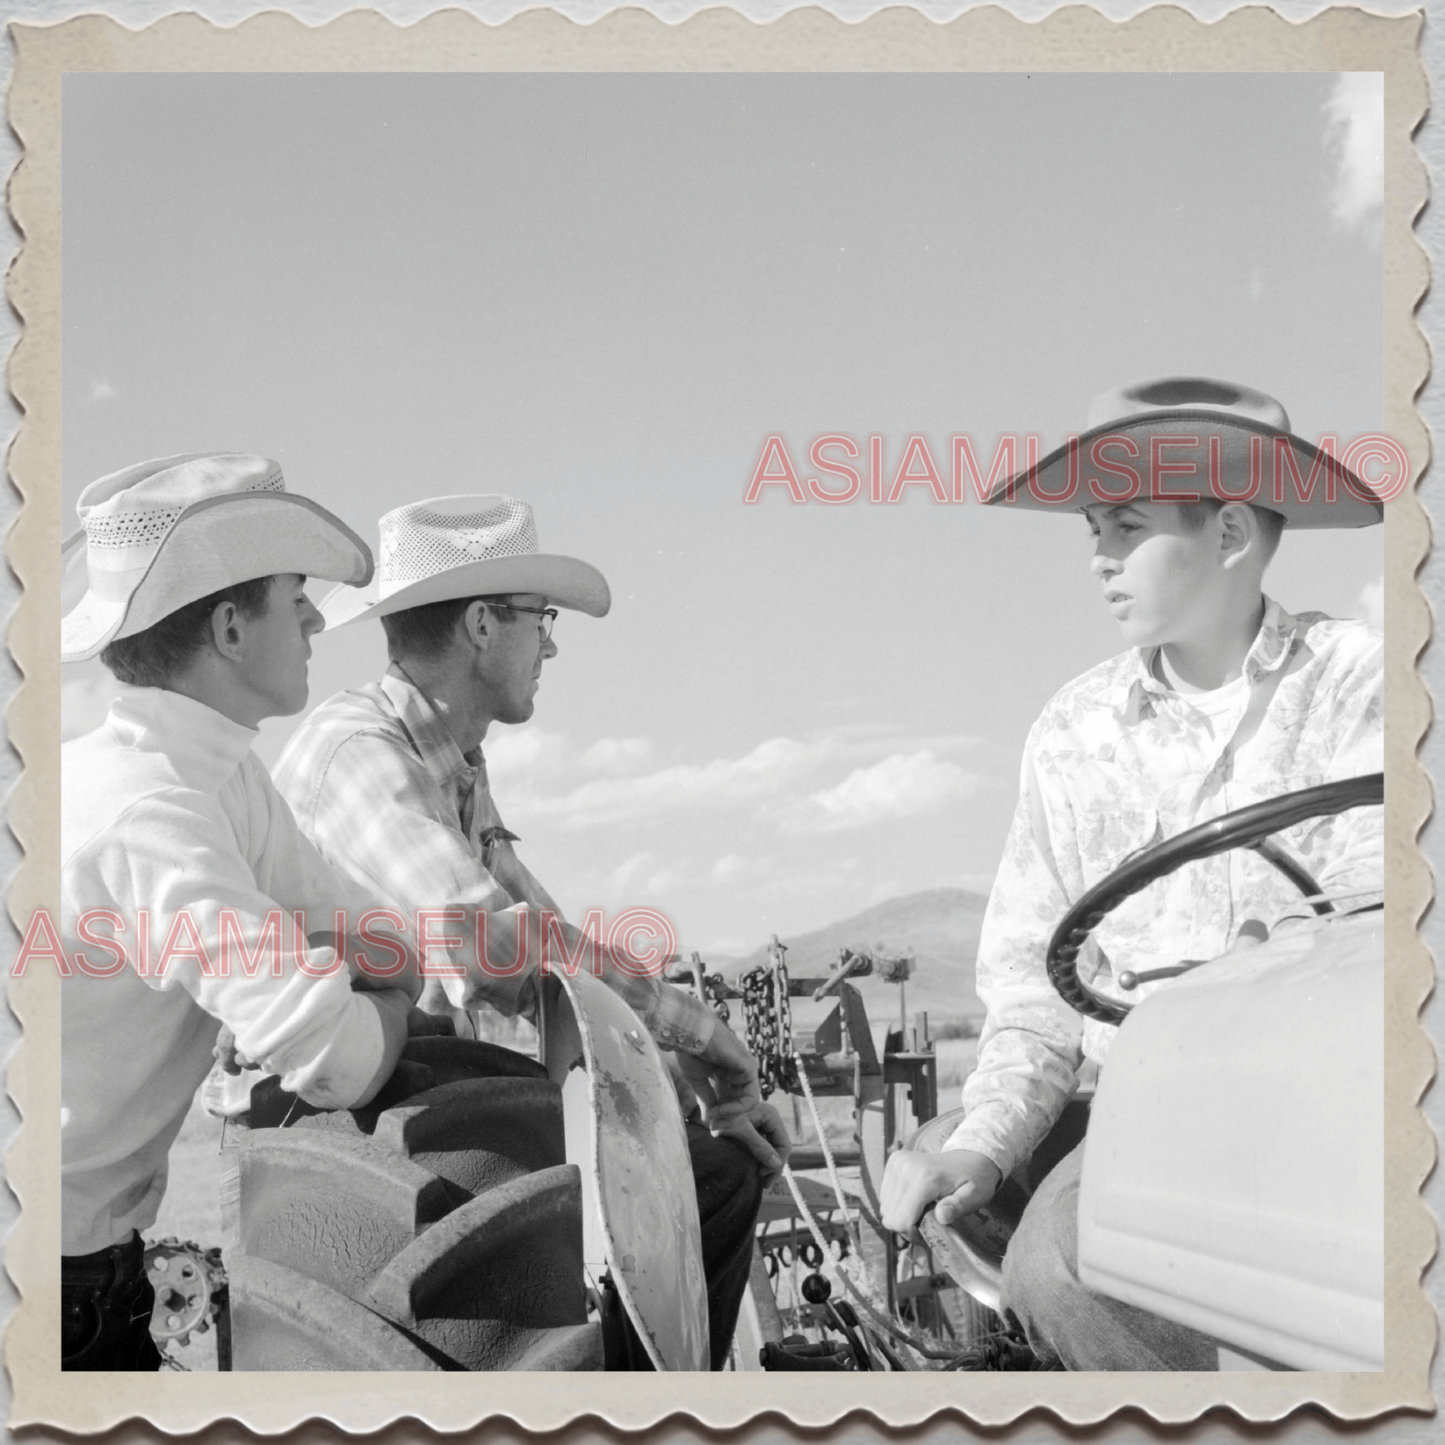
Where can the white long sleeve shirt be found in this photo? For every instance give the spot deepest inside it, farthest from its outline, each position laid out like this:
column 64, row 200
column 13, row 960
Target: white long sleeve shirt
column 1118, row 761
column 166, row 812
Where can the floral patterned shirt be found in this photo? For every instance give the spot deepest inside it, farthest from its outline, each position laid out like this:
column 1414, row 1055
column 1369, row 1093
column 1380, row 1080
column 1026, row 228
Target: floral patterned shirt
column 1117, row 761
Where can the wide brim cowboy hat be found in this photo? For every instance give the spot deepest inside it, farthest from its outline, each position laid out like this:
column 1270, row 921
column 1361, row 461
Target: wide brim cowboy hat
column 465, row 546
column 162, row 533
column 1182, row 435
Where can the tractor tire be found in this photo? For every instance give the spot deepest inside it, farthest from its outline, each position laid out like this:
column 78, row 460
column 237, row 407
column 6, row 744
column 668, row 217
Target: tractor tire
column 439, row 1227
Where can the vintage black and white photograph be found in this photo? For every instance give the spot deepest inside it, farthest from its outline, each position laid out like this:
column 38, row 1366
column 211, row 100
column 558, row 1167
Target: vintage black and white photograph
column 723, row 723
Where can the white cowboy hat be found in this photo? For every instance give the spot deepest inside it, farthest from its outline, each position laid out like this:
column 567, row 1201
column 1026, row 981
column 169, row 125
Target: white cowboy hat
column 471, row 546
column 163, row 533
column 1207, row 427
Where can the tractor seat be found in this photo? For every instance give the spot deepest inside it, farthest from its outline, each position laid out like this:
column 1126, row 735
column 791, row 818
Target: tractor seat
column 973, row 1250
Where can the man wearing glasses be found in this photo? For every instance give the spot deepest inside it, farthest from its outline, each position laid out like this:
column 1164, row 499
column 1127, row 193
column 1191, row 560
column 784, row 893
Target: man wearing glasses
column 389, row 781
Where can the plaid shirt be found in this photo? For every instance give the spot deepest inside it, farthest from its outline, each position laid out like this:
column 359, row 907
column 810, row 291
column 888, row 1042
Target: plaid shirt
column 378, row 783
column 1118, row 761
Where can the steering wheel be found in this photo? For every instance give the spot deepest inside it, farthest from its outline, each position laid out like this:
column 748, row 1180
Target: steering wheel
column 1244, row 828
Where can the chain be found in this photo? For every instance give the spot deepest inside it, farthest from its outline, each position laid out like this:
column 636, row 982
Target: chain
column 761, row 1027
column 714, row 991
column 787, row 1070
column 769, row 1023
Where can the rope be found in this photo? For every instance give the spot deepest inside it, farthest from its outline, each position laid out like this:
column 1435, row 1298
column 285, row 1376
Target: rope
column 904, row 1337
column 848, row 1219
column 866, row 1294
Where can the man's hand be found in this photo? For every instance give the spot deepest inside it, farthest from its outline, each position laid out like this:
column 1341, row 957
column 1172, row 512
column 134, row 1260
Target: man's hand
column 763, row 1134
column 725, row 1079
column 393, row 1007
column 955, row 1182
column 1252, row 932
column 227, row 1055
column 420, row 1024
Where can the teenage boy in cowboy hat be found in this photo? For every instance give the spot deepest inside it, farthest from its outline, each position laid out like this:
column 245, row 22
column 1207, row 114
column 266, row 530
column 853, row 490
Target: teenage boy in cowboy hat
column 390, row 782
column 183, row 872
column 1224, row 699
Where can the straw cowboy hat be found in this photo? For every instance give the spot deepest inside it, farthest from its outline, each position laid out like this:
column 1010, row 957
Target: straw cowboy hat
column 163, row 533
column 1216, row 439
column 471, row 546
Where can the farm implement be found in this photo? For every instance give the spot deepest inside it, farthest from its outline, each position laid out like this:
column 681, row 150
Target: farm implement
column 494, row 1211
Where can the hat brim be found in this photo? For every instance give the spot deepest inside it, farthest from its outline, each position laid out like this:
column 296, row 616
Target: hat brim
column 1322, row 492
column 563, row 581
column 89, row 626
column 215, row 543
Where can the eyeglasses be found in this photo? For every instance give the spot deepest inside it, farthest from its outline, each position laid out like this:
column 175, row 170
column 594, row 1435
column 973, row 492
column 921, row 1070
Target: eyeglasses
column 547, row 614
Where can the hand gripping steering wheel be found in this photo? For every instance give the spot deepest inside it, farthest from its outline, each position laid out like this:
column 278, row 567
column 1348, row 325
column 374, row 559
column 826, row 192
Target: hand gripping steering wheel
column 1245, row 828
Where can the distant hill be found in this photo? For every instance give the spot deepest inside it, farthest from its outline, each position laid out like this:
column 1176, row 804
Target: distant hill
column 940, row 926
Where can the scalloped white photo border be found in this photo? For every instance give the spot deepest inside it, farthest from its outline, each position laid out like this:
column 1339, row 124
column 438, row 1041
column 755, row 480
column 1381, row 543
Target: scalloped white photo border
column 1075, row 38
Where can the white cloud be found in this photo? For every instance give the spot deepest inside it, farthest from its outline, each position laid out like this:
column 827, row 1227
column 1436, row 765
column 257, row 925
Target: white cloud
column 903, row 785
column 530, row 765
column 781, row 837
column 839, row 780
column 641, row 880
column 728, row 867
column 1256, row 284
column 661, row 883
column 626, row 876
column 523, row 750
column 733, row 869
column 102, row 391
column 683, row 787
column 1370, row 605
column 1355, row 139
column 617, row 755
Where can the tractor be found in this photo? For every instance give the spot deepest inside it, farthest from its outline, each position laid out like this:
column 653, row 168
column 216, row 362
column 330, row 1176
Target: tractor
column 489, row 1210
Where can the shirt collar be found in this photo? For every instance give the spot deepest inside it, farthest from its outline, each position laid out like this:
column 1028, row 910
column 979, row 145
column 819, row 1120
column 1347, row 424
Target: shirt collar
column 1274, row 644
column 205, row 746
column 1267, row 653
column 443, row 759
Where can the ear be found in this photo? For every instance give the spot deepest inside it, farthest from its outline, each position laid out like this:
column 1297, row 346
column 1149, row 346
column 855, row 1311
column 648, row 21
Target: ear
column 479, row 625
column 228, row 630
column 1238, row 533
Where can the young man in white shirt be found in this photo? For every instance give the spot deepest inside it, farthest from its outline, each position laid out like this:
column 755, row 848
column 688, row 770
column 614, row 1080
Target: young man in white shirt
column 184, row 876
column 1224, row 699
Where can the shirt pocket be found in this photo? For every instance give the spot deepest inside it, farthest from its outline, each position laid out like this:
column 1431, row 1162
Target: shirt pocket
column 1297, row 840
column 1108, row 836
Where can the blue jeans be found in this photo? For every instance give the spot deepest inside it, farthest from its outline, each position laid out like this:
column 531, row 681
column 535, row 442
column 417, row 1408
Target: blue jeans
column 1069, row 1325
column 105, row 1310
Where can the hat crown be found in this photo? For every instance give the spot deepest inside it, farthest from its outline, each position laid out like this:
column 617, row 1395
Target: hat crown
column 1186, row 393
column 1212, row 430
column 162, row 533
column 136, row 507
column 425, row 538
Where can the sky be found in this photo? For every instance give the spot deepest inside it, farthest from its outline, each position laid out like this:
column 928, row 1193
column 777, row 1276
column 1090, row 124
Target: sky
column 603, row 293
